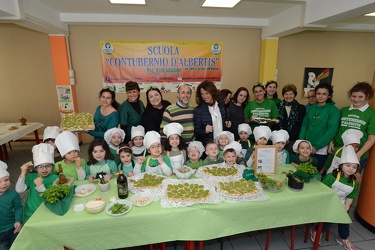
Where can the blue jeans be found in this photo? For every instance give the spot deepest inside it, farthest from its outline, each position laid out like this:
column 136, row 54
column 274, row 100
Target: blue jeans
column 342, row 228
column 321, row 160
column 7, row 238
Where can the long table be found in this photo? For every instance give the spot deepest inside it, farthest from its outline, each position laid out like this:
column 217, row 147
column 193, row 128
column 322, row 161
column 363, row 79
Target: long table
column 153, row 224
column 20, row 131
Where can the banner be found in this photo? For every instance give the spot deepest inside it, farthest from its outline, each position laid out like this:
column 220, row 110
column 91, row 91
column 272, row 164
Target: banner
column 161, row 64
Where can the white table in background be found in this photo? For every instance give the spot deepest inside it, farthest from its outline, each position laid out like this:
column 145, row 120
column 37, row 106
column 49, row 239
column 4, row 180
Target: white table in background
column 7, row 135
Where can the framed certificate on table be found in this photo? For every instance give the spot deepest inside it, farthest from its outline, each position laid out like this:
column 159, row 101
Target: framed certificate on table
column 265, row 160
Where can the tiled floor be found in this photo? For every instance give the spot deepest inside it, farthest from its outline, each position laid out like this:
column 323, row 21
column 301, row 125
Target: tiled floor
column 360, row 237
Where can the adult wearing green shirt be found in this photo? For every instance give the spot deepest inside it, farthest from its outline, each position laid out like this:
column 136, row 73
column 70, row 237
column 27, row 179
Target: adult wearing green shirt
column 359, row 115
column 106, row 115
column 321, row 123
column 260, row 107
column 131, row 110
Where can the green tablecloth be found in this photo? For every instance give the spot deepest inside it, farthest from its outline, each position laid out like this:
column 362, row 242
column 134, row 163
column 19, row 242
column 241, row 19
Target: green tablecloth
column 152, row 223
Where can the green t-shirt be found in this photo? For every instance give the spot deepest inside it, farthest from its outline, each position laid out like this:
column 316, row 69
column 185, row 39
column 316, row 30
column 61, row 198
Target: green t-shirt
column 329, row 179
column 194, row 165
column 69, row 170
column 107, row 166
column 33, row 200
column 266, row 109
column 208, row 161
column 295, row 158
column 356, row 119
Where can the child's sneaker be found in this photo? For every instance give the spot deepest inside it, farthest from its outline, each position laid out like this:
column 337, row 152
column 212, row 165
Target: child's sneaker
column 345, row 243
column 313, row 236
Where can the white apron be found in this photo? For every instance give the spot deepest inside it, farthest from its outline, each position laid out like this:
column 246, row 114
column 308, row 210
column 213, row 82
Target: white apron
column 177, row 161
column 335, row 162
column 153, row 170
column 341, row 189
column 243, row 151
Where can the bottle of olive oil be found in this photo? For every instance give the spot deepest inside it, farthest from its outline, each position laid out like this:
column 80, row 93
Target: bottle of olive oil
column 122, row 185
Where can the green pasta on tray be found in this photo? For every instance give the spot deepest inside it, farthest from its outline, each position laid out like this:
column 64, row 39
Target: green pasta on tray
column 78, row 121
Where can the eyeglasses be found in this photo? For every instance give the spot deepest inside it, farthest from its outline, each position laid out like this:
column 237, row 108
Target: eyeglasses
column 40, row 167
column 155, row 146
column 49, row 140
column 311, row 97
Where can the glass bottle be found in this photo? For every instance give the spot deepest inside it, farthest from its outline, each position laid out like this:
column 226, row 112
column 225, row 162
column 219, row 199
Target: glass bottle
column 122, row 185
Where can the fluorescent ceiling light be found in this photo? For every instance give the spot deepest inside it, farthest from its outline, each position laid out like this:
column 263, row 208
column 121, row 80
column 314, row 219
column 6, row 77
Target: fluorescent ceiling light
column 220, row 3
column 128, row 1
column 370, row 14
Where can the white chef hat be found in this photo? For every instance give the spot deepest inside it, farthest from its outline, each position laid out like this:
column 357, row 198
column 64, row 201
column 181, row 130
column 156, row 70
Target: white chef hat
column 66, row 142
column 43, row 153
column 51, row 132
column 262, row 131
column 3, row 169
column 173, row 129
column 137, row 131
column 150, row 138
column 351, row 136
column 279, row 136
column 295, row 145
column 110, row 132
column 244, row 127
column 348, row 155
column 230, row 136
column 235, row 145
column 198, row 145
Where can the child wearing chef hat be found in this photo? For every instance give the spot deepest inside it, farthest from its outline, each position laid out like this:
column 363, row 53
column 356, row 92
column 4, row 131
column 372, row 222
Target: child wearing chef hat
column 349, row 137
column 114, row 137
column 49, row 136
column 244, row 131
column 279, row 138
column 261, row 134
column 195, row 151
column 174, row 145
column 303, row 149
column 137, row 137
column 343, row 181
column 156, row 162
column 38, row 182
column 231, row 151
column 10, row 210
column 72, row 165
column 223, row 139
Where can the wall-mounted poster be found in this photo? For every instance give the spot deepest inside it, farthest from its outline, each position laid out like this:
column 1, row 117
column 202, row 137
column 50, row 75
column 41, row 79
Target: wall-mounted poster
column 313, row 76
column 65, row 99
column 165, row 65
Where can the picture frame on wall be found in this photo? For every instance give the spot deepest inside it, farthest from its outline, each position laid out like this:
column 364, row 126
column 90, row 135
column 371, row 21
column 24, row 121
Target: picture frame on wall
column 265, row 160
column 313, row 76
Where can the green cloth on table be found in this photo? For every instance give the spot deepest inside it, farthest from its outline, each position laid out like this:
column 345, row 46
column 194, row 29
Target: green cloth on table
column 85, row 231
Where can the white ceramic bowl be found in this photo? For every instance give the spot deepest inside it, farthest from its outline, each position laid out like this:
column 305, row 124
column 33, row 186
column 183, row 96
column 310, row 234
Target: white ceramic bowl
column 125, row 202
column 185, row 175
column 94, row 206
column 142, row 199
